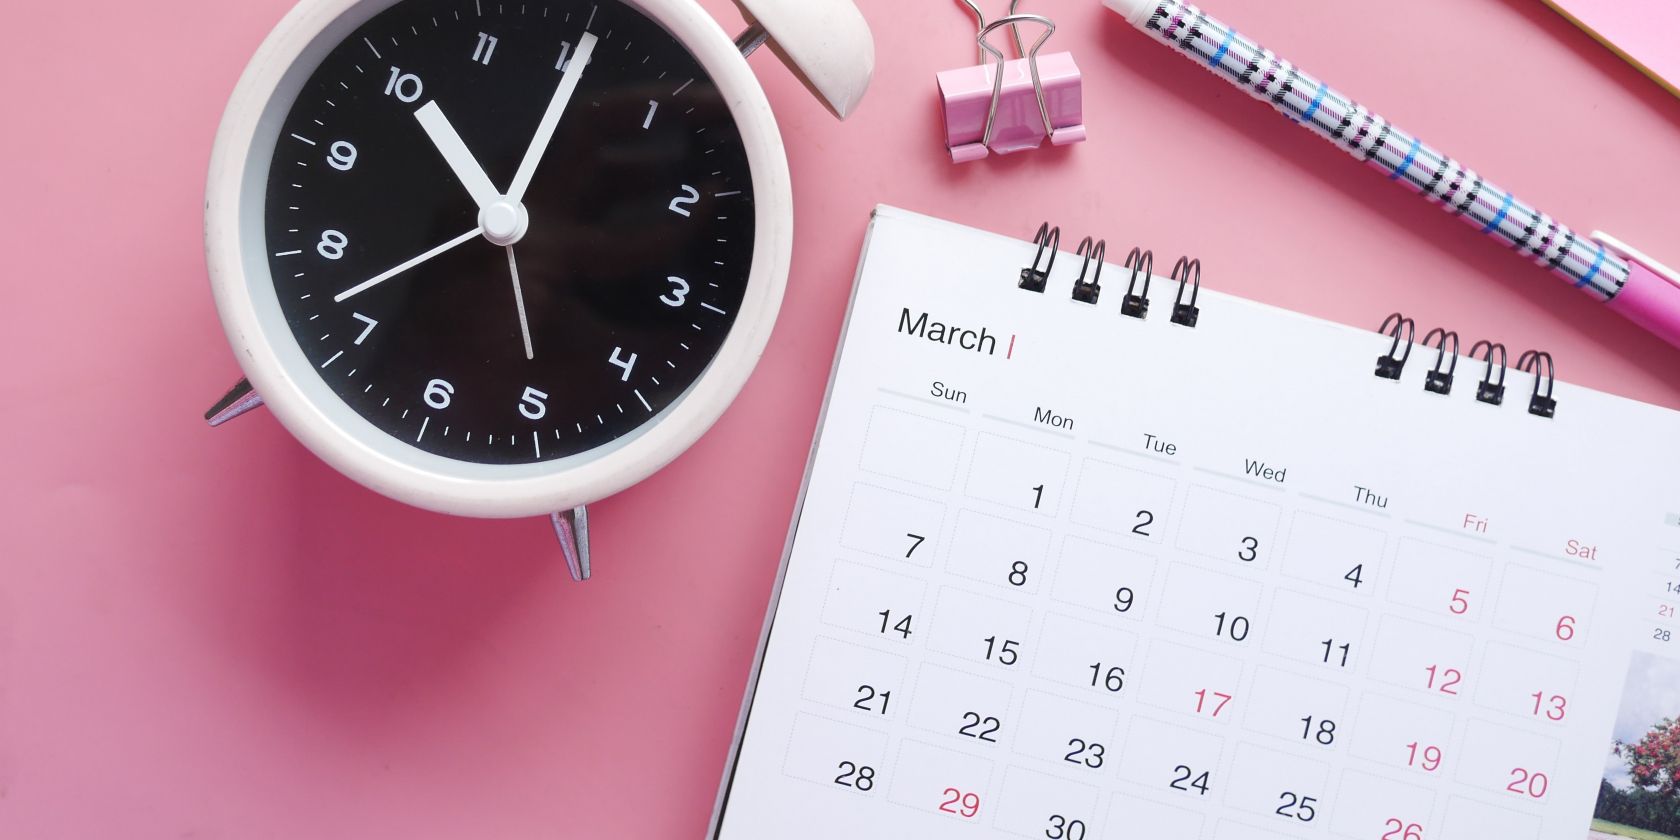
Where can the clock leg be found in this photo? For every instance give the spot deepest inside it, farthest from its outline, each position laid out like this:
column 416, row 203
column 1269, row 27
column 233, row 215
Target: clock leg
column 238, row 401
column 572, row 529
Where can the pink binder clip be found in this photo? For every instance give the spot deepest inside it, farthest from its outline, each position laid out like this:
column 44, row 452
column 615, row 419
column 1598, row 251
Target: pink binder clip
column 1012, row 105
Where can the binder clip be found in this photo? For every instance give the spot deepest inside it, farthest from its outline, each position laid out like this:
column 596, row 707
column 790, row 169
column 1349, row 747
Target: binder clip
column 1009, row 106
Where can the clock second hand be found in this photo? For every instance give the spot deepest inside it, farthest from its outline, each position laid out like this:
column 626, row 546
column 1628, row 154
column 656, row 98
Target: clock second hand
column 519, row 302
column 447, row 246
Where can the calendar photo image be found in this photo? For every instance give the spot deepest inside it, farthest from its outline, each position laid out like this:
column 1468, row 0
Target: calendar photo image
column 1639, row 796
column 1089, row 552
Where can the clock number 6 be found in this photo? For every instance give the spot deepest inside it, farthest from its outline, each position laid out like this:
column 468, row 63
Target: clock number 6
column 618, row 361
column 533, row 405
column 679, row 292
column 439, row 394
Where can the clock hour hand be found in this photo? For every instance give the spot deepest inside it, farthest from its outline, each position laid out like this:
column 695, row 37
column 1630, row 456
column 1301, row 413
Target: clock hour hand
column 447, row 246
column 454, row 151
column 551, row 118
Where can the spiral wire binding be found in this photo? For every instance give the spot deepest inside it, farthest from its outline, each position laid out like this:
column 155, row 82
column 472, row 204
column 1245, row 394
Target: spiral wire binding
column 1088, row 292
column 1135, row 305
column 1439, row 381
column 1391, row 364
column 1539, row 363
column 1048, row 239
column 1489, row 390
column 1186, row 314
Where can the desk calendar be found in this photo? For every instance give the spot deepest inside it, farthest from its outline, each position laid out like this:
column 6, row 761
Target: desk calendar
column 1062, row 573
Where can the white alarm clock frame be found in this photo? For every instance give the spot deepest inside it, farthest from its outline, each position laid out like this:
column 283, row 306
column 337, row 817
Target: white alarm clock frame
column 825, row 42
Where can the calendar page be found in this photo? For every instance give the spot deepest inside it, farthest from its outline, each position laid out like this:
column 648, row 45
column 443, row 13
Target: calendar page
column 1062, row 573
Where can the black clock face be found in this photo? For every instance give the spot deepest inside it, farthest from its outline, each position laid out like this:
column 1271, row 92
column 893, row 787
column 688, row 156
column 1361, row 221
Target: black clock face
column 509, row 232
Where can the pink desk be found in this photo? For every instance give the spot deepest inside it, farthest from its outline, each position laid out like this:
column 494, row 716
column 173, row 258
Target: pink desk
column 209, row 634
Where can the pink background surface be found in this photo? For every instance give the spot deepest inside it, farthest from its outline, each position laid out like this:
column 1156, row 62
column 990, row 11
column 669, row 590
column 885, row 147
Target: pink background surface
column 210, row 634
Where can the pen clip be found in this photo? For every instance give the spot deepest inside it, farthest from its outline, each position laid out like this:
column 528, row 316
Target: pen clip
column 1631, row 254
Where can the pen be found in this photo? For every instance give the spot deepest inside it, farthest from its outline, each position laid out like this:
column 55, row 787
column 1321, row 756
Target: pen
column 1635, row 286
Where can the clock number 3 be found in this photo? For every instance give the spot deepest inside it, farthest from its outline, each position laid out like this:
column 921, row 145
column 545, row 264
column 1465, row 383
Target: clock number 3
column 618, row 361
column 679, row 292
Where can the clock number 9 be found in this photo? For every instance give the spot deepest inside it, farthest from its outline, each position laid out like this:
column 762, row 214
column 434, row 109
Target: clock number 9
column 342, row 157
column 532, row 405
column 332, row 245
column 439, row 394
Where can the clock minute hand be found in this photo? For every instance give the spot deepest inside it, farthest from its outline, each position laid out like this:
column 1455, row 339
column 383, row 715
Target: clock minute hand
column 551, row 118
column 455, row 153
column 447, row 246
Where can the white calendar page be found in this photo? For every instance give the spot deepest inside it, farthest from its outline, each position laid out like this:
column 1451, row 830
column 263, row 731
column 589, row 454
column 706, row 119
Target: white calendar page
column 1069, row 574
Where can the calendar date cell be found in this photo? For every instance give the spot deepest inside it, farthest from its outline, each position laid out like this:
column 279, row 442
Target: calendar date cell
column 998, row 551
column 1033, row 804
column 1468, row 819
column 1516, row 763
column 1544, row 606
column 1228, row 527
column 1210, row 604
column 1178, row 763
column 1369, row 806
column 1422, row 657
column 1019, row 475
column 1317, row 631
column 1278, row 785
column 969, row 709
column 1523, row 682
column 1440, row 580
column 1074, row 737
column 892, row 525
column 1333, row 553
column 877, row 604
column 1135, row 817
column 857, row 680
column 847, row 758
column 1109, row 581
column 1123, row 500
column 912, row 448
column 1403, row 734
column 1191, row 682
column 940, row 781
column 1297, row 709
column 980, row 629
column 1092, row 658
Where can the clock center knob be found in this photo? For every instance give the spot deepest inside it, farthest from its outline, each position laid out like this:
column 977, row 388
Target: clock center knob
column 504, row 222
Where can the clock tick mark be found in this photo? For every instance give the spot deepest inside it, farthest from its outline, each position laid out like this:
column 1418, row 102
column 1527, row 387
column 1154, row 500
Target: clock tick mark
column 288, row 253
column 303, row 139
column 644, row 401
column 619, row 407
column 367, row 389
column 385, row 403
column 655, row 379
column 726, row 194
column 536, row 442
column 704, row 305
column 374, row 48
column 404, row 416
column 591, row 21
column 331, row 360
column 423, row 424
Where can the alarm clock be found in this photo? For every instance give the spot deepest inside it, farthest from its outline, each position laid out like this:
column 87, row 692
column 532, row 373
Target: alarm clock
column 504, row 258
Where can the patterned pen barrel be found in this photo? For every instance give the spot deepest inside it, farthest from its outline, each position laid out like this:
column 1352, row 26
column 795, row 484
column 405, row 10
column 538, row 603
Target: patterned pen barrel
column 1404, row 158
